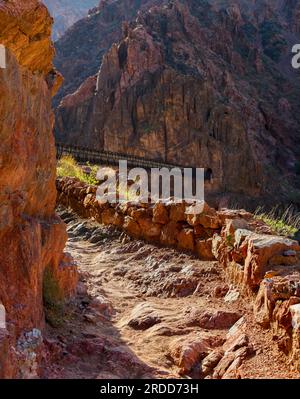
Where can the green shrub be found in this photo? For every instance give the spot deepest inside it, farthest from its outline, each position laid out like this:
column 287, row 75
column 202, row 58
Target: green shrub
column 52, row 299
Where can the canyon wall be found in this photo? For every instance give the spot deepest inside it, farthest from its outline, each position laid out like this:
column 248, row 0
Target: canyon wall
column 80, row 50
column 67, row 12
column 32, row 236
column 202, row 84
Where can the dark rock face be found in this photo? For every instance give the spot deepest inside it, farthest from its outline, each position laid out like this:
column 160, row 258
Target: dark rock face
column 67, row 12
column 81, row 49
column 194, row 83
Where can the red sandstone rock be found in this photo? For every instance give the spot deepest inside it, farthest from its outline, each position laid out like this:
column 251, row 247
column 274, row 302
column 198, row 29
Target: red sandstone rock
column 186, row 239
column 279, row 291
column 208, row 319
column 207, row 217
column 32, row 237
column 204, row 249
column 110, row 216
column 149, row 230
column 211, row 361
column 236, row 349
column 188, row 351
column 234, row 214
column 169, row 234
column 261, row 249
column 160, row 213
column 144, row 316
column 137, row 214
column 202, row 233
column 177, row 212
column 131, row 227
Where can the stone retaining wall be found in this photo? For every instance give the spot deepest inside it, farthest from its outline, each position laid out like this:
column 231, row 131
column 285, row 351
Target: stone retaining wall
column 263, row 266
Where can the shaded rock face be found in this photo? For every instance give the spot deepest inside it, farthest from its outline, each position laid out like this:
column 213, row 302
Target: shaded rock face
column 81, row 49
column 207, row 85
column 67, row 12
column 32, row 236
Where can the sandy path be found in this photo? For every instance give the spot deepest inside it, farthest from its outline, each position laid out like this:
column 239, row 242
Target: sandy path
column 135, row 301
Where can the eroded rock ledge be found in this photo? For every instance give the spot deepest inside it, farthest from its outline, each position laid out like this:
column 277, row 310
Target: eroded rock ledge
column 32, row 236
column 264, row 266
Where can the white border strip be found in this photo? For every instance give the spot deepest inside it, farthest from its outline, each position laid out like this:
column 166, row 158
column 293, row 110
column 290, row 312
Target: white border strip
column 2, row 316
column 2, row 57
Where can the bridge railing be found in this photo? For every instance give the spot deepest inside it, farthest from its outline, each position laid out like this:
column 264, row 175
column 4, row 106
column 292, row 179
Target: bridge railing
column 87, row 155
column 83, row 154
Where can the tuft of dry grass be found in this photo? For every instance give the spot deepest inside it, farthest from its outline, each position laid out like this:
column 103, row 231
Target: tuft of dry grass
column 283, row 221
column 68, row 167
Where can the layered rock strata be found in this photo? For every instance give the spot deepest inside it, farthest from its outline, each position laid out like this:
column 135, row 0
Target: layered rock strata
column 32, row 236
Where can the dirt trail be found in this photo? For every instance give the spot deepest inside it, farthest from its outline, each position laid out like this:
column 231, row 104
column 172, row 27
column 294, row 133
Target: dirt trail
column 138, row 303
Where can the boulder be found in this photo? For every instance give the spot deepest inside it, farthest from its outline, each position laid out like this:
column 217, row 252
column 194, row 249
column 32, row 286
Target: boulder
column 232, row 226
column 143, row 316
column 188, row 351
column 217, row 246
column 138, row 214
column 160, row 213
column 236, row 349
column 177, row 212
column 232, row 295
column 131, row 227
column 202, row 214
column 261, row 249
column 186, row 239
column 227, row 368
column 169, row 234
column 149, row 229
column 224, row 214
column 204, row 249
column 202, row 233
column 236, row 336
column 211, row 361
column 212, row 319
column 111, row 217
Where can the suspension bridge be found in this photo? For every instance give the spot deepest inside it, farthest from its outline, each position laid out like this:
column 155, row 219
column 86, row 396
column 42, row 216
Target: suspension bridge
column 82, row 154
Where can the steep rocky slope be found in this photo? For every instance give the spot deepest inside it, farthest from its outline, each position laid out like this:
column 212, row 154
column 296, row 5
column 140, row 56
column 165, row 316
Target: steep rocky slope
column 80, row 50
column 67, row 12
column 146, row 311
column 32, row 236
column 205, row 83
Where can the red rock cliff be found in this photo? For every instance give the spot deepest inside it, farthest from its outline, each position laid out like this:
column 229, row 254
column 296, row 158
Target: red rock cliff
column 206, row 84
column 32, row 236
